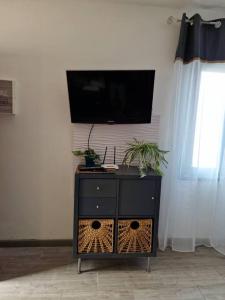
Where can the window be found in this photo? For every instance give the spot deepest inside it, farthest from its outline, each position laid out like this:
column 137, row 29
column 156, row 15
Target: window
column 209, row 130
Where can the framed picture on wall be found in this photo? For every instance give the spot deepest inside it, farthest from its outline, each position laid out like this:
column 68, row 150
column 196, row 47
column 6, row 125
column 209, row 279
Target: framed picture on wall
column 6, row 97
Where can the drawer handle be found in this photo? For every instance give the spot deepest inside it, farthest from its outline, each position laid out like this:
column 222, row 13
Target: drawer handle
column 97, row 206
column 98, row 188
column 153, row 198
column 96, row 225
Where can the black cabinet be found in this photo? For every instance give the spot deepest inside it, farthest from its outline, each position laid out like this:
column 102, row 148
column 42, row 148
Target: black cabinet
column 116, row 214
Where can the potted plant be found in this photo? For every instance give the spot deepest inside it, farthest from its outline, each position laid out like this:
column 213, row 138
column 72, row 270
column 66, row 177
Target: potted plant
column 91, row 157
column 147, row 155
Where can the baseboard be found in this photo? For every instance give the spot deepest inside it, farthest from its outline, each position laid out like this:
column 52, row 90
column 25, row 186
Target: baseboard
column 35, row 243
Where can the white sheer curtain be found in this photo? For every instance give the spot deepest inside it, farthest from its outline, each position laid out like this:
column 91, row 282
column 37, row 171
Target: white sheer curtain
column 193, row 191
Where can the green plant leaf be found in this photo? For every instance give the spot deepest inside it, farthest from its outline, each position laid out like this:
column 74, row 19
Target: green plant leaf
column 78, row 153
column 147, row 154
column 88, row 153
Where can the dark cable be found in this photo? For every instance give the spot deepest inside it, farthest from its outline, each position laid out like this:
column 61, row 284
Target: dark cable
column 92, row 126
column 105, row 155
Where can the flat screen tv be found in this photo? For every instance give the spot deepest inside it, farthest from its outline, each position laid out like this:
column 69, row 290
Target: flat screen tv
column 121, row 97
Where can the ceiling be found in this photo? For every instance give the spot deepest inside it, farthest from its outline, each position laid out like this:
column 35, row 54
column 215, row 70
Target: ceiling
column 180, row 3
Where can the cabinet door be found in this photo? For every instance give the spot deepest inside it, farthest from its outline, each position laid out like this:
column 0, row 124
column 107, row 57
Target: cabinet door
column 137, row 197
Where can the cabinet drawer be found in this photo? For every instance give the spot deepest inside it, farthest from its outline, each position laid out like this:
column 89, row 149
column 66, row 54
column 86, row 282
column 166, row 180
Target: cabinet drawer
column 97, row 188
column 134, row 236
column 95, row 236
column 137, row 197
column 97, row 206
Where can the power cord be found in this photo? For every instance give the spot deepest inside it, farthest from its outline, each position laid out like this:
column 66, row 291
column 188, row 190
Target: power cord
column 92, row 126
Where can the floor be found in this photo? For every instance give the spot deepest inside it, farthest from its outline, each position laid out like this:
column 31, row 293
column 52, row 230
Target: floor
column 51, row 273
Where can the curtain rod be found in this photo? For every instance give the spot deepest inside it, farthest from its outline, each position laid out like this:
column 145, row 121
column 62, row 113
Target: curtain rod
column 172, row 20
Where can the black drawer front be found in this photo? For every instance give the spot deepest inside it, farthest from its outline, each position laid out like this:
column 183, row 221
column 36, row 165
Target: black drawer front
column 97, row 206
column 137, row 197
column 97, row 188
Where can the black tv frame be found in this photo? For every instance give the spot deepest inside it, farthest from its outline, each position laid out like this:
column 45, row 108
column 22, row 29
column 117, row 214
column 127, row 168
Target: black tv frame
column 87, row 120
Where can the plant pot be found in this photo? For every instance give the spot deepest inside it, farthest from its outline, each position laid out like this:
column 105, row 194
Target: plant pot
column 89, row 162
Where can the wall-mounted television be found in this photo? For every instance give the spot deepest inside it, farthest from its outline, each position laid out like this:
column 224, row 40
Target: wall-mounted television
column 119, row 96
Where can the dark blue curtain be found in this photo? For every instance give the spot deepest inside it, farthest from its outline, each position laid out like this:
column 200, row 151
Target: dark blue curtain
column 201, row 41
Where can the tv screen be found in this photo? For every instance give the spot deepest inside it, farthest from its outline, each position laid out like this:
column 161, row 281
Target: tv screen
column 122, row 97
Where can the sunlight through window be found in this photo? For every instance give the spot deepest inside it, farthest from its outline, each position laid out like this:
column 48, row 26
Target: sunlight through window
column 210, row 121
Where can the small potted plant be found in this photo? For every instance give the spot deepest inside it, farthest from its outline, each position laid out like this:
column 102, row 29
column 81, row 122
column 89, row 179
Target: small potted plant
column 91, row 157
column 147, row 155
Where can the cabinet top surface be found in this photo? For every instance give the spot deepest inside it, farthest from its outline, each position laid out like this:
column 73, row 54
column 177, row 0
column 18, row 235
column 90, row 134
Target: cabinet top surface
column 122, row 171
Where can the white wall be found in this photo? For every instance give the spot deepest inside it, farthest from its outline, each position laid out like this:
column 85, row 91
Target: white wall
column 39, row 41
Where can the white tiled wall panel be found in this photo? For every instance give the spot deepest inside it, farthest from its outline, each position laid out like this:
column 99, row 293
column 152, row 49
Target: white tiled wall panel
column 114, row 135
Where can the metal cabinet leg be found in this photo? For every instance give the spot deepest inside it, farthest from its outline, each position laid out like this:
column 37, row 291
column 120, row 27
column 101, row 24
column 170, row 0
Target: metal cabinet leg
column 79, row 266
column 148, row 265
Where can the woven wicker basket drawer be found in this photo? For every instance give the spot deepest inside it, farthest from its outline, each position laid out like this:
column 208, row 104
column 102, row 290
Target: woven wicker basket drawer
column 134, row 236
column 97, row 188
column 95, row 236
